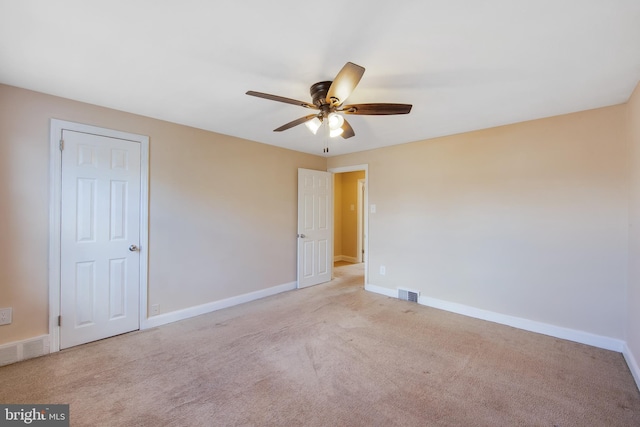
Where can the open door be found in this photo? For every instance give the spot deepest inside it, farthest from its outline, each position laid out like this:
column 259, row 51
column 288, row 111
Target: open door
column 315, row 231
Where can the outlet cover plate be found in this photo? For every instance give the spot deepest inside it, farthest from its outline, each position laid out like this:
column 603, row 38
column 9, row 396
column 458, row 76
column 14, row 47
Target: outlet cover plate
column 5, row 316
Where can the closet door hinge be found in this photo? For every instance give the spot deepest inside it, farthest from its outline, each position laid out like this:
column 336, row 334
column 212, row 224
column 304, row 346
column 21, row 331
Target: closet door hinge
column 59, row 320
column 61, row 144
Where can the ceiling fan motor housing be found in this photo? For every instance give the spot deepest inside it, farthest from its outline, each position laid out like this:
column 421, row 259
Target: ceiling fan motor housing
column 319, row 92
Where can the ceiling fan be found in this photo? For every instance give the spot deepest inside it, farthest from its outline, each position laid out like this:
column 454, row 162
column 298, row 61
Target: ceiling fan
column 328, row 100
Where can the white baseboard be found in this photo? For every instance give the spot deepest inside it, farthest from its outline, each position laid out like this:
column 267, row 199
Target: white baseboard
column 599, row 341
column 22, row 350
column 632, row 362
column 393, row 293
column 187, row 313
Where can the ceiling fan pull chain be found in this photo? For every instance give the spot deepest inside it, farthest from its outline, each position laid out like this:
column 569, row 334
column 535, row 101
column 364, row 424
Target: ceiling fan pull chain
column 326, row 136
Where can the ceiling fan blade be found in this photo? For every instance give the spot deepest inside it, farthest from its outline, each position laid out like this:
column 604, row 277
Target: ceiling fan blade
column 295, row 122
column 282, row 99
column 344, row 83
column 347, row 130
column 376, row 109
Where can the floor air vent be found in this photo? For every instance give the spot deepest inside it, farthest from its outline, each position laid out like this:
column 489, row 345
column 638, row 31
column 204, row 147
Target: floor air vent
column 407, row 295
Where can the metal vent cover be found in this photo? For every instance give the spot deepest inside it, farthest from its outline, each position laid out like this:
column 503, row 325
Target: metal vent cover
column 32, row 349
column 407, row 295
column 8, row 355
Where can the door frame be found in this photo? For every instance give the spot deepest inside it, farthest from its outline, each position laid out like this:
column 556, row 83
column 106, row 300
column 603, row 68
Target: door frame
column 362, row 184
column 55, row 217
column 357, row 168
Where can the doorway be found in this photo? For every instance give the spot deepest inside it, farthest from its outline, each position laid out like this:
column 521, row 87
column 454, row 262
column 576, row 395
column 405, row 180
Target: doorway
column 98, row 233
column 350, row 216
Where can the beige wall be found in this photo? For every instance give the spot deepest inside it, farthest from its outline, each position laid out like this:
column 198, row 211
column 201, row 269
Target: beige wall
column 222, row 209
column 345, row 226
column 528, row 220
column 633, row 295
column 349, row 230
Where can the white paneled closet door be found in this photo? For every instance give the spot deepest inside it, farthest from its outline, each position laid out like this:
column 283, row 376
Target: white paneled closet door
column 100, row 237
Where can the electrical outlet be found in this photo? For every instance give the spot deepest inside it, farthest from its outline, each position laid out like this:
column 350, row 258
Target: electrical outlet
column 155, row 309
column 383, row 270
column 5, row 316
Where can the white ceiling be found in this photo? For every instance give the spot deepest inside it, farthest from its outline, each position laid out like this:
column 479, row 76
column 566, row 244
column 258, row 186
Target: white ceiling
column 463, row 64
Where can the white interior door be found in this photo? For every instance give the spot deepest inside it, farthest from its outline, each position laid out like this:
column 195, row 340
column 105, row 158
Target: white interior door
column 100, row 237
column 315, row 231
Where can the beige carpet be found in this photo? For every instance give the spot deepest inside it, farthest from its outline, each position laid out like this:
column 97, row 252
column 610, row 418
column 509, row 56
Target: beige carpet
column 331, row 355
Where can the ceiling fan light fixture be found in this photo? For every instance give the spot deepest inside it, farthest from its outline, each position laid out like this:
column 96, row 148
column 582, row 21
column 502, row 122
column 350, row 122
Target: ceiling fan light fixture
column 313, row 125
column 335, row 132
column 335, row 121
